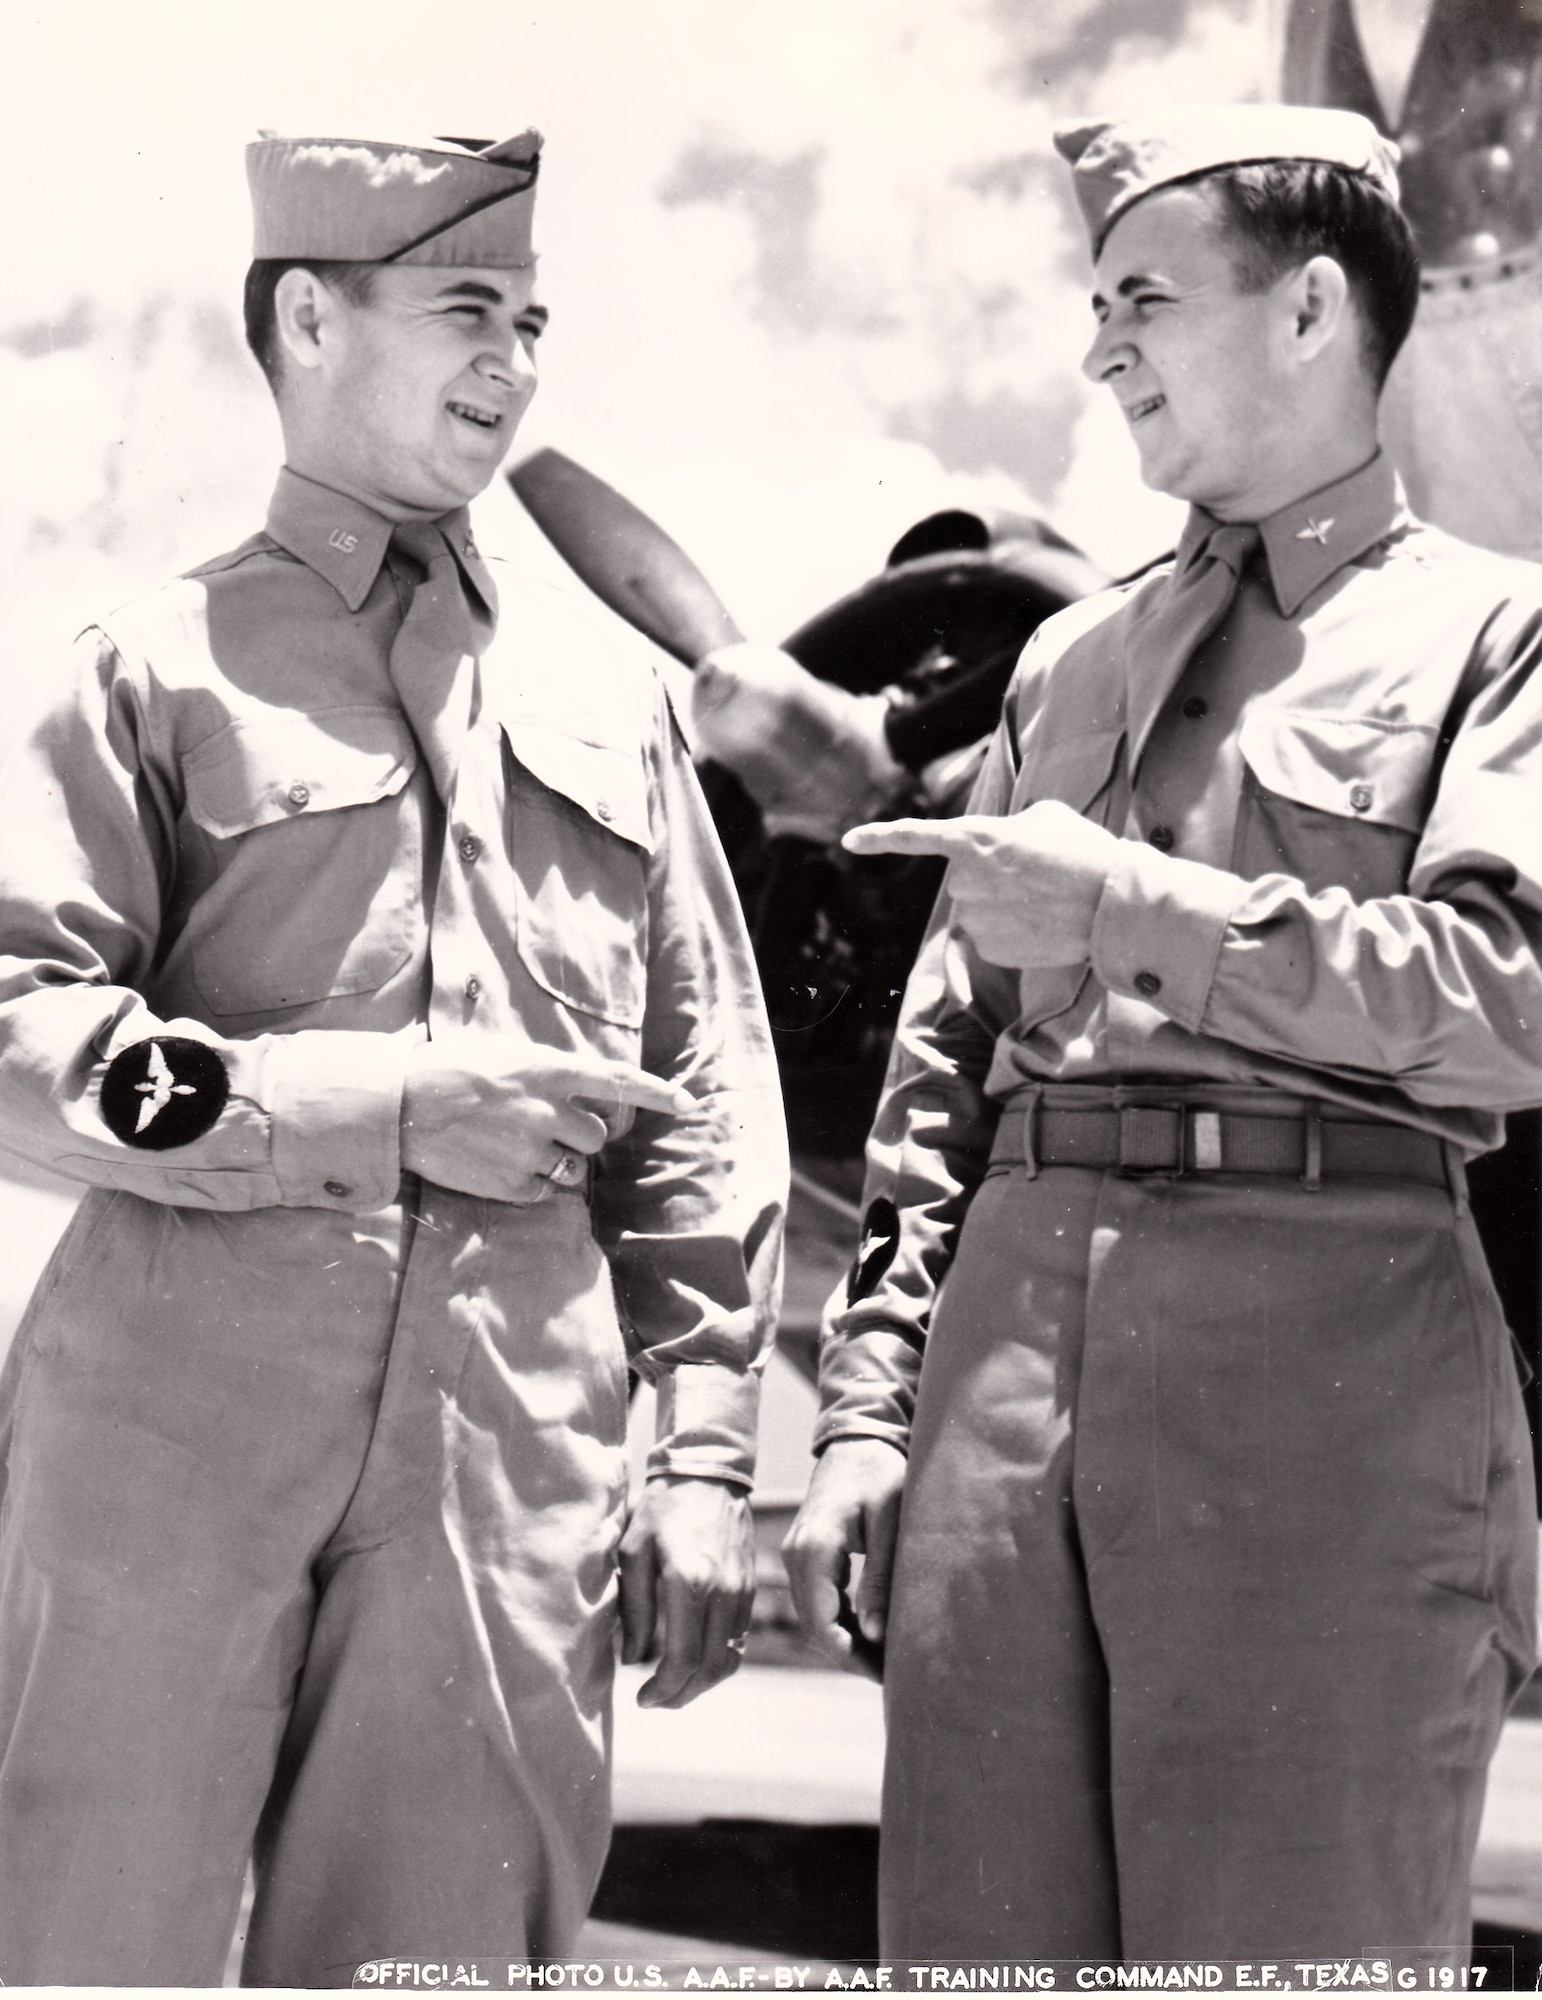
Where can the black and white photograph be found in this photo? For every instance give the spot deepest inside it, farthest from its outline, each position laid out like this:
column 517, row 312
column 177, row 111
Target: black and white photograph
column 771, row 996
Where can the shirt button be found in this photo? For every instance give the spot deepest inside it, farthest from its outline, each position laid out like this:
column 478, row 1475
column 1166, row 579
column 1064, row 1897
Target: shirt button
column 1148, row 984
column 299, row 795
column 473, row 987
column 337, row 1189
column 470, row 847
column 602, row 807
column 1195, row 707
column 1161, row 837
column 1360, row 798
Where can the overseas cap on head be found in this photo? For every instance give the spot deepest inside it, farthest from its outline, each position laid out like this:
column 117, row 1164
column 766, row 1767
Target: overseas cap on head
column 1116, row 162
column 445, row 201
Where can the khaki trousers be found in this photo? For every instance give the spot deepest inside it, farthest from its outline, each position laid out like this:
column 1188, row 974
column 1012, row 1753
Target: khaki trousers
column 1216, row 1573
column 307, row 1542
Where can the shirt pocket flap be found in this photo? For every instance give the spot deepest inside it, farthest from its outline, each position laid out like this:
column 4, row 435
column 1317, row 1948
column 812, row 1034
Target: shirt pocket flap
column 610, row 785
column 1074, row 770
column 1353, row 766
column 271, row 768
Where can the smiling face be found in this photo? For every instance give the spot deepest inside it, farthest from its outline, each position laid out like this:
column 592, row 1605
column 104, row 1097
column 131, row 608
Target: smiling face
column 409, row 401
column 1202, row 371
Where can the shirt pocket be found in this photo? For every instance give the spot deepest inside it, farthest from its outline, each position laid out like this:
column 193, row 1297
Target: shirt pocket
column 1076, row 770
column 578, row 837
column 317, row 891
column 1337, row 801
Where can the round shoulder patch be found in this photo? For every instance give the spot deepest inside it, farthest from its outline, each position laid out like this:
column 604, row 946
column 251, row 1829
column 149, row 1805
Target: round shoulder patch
column 875, row 1253
column 167, row 1091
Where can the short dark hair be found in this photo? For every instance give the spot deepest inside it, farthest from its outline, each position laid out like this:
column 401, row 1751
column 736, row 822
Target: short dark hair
column 354, row 280
column 1278, row 214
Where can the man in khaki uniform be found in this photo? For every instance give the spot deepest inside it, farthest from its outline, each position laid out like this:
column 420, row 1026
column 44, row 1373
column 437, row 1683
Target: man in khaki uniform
column 370, row 961
column 1217, row 1552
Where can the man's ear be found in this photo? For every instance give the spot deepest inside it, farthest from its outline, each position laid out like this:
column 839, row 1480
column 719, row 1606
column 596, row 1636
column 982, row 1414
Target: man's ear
column 303, row 315
column 1321, row 306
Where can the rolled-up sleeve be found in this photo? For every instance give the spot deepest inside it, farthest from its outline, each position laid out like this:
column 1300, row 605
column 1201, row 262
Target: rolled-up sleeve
column 690, row 1210
column 87, row 848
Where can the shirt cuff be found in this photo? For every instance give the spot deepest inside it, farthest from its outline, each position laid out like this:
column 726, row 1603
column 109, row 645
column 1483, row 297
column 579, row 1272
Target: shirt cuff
column 1158, row 929
column 707, row 1417
column 336, row 1099
column 867, row 1387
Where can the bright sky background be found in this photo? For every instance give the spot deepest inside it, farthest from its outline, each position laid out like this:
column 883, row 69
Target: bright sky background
column 812, row 264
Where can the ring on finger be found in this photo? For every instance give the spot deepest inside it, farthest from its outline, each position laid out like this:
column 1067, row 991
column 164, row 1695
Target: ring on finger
column 569, row 1169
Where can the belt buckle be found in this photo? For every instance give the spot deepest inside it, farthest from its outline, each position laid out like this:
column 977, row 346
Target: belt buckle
column 1208, row 1156
column 1151, row 1142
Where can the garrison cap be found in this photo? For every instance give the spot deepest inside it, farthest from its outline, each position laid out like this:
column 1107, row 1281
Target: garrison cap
column 442, row 201
column 1115, row 162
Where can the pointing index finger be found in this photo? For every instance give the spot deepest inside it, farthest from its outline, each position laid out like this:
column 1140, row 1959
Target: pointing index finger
column 625, row 1083
column 947, row 837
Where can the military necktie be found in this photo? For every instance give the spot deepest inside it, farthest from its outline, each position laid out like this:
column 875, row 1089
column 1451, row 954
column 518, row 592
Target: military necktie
column 1163, row 639
column 433, row 662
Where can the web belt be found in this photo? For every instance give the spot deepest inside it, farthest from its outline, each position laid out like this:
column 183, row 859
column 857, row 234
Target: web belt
column 1180, row 1139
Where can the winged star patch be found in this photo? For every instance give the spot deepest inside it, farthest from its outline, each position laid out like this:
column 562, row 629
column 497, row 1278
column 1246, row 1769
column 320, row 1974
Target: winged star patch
column 165, row 1092
column 875, row 1253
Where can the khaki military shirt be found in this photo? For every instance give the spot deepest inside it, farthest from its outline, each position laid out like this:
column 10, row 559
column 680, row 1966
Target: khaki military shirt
column 1329, row 883
column 227, row 829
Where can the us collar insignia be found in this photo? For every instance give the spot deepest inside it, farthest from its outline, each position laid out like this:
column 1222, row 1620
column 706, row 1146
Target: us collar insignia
column 1315, row 531
column 164, row 1092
